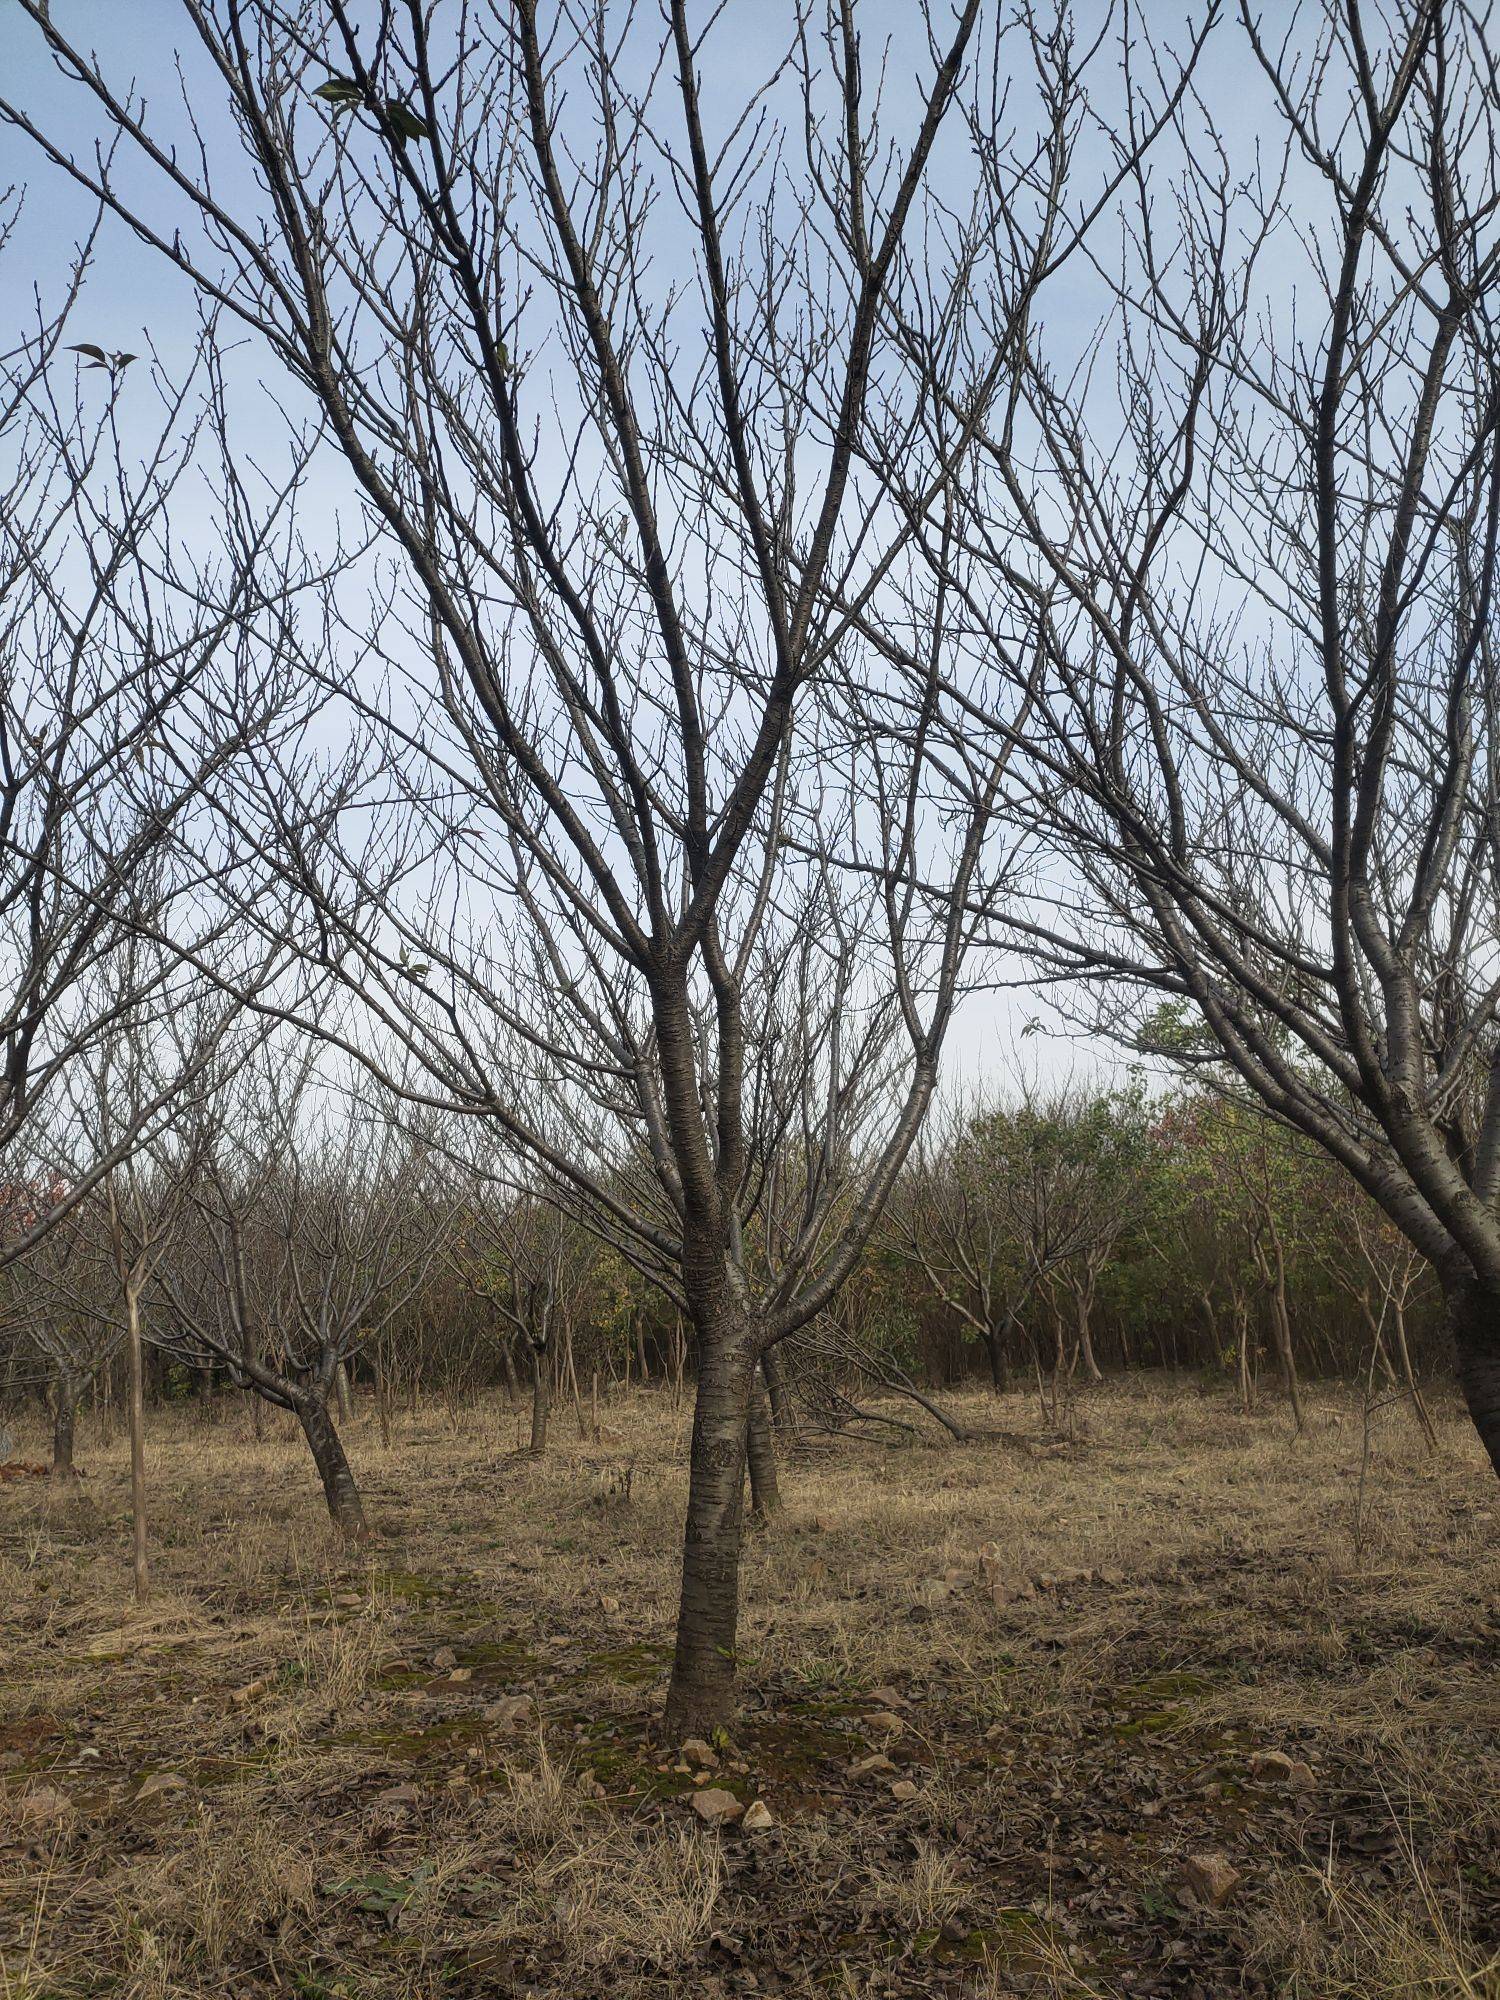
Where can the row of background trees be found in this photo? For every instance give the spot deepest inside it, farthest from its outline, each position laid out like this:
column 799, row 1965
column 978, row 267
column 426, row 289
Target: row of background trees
column 310, row 1248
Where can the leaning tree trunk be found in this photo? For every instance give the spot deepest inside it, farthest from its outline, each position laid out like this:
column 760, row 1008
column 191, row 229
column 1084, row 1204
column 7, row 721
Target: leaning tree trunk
column 760, row 1449
column 64, row 1421
column 1474, row 1318
column 541, row 1402
column 700, row 1698
column 345, row 1507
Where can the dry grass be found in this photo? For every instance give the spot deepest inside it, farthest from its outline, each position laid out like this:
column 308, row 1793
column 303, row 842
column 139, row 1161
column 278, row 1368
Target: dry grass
column 353, row 1825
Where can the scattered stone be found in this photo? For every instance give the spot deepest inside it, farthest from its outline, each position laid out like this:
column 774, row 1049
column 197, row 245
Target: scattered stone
column 699, row 1755
column 397, row 1798
column 251, row 1691
column 872, row 1767
column 1012, row 1590
column 757, row 1816
column 444, row 1658
column 1212, row 1878
column 160, row 1784
column 462, row 1674
column 347, row 1600
column 903, row 1789
column 716, row 1807
column 884, row 1725
column 1061, row 1579
column 887, row 1698
column 511, row 1711
column 1272, row 1767
column 43, row 1803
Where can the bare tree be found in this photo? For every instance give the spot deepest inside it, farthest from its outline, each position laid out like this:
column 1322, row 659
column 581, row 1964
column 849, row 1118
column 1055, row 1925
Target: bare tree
column 624, row 400
column 56, row 1323
column 530, row 1263
column 626, row 636
column 1255, row 617
column 122, row 695
column 129, row 1106
column 312, row 1233
column 949, row 1222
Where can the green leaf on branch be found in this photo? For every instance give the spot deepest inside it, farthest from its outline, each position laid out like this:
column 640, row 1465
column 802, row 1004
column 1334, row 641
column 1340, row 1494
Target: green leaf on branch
column 404, row 122
column 342, row 92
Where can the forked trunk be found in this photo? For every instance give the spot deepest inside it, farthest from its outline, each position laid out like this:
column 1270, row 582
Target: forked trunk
column 541, row 1405
column 64, row 1420
column 345, row 1508
column 1474, row 1316
column 760, row 1444
column 701, row 1696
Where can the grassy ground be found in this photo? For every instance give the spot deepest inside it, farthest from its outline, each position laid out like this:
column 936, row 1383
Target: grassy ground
column 427, row 1769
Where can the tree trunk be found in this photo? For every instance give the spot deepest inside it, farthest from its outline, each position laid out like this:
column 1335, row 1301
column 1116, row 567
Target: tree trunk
column 64, row 1419
column 1418, row 1402
column 1281, row 1327
column 1474, row 1317
column 1242, row 1344
column 345, row 1508
column 383, row 1401
column 257, row 1403
column 701, row 1696
column 512, row 1386
column 1083, row 1308
column 783, row 1410
column 345, row 1394
column 137, row 1441
column 760, row 1449
column 540, row 1401
column 994, row 1347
